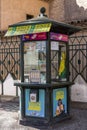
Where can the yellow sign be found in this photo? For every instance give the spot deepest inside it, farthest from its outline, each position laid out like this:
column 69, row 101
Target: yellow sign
column 62, row 63
column 28, row 29
column 59, row 95
column 35, row 106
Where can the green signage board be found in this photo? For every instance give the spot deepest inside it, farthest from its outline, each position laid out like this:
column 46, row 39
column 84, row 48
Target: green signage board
column 28, row 29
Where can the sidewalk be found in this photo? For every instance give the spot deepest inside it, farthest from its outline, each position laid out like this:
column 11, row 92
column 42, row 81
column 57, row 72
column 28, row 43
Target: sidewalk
column 9, row 119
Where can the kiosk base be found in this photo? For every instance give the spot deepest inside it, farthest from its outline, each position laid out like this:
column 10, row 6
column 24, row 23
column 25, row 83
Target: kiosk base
column 43, row 124
column 51, row 106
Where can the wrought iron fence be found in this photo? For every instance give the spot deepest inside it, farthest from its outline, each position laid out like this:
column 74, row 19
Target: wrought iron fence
column 9, row 57
column 78, row 56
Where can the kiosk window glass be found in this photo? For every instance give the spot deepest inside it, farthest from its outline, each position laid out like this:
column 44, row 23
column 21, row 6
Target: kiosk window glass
column 58, row 60
column 35, row 61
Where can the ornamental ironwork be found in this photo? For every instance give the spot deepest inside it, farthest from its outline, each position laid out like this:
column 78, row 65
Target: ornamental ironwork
column 78, row 56
column 9, row 57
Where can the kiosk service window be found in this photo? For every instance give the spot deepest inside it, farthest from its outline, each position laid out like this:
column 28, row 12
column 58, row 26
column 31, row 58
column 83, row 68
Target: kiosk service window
column 35, row 61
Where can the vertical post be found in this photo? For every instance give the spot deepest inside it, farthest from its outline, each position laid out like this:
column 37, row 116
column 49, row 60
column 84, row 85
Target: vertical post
column 1, row 91
column 48, row 59
column 22, row 78
column 16, row 90
column 67, row 60
column 2, row 88
column 48, row 77
column 22, row 60
column 68, row 70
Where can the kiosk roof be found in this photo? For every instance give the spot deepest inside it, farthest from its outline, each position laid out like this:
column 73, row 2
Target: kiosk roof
column 48, row 24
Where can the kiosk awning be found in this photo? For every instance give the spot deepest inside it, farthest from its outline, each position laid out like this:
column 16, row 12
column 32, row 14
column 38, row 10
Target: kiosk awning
column 41, row 24
column 28, row 29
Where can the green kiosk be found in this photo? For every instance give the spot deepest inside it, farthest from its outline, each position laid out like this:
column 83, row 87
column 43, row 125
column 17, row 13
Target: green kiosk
column 44, row 63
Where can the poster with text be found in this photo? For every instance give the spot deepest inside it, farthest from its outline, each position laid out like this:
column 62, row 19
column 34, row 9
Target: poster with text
column 36, row 108
column 59, row 101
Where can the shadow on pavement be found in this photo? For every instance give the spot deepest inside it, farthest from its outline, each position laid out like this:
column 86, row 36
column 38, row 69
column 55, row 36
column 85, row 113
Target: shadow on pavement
column 9, row 106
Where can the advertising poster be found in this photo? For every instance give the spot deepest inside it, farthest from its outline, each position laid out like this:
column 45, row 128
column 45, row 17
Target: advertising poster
column 35, row 36
column 59, row 101
column 35, row 103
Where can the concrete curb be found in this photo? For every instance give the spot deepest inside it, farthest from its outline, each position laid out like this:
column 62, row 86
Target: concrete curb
column 80, row 105
column 4, row 98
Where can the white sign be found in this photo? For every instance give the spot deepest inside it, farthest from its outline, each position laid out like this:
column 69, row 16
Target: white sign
column 54, row 45
column 33, row 97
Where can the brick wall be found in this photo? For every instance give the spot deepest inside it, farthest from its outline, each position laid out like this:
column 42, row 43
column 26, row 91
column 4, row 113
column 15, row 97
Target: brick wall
column 13, row 11
column 68, row 10
column 75, row 10
column 56, row 10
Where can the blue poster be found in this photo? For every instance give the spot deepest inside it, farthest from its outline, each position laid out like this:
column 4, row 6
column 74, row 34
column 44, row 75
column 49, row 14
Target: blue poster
column 59, row 101
column 35, row 106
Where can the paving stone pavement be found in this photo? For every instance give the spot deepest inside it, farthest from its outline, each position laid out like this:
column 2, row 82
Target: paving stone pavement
column 9, row 119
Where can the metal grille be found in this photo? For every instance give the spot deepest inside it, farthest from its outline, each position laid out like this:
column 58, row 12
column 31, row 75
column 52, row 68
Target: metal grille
column 9, row 57
column 78, row 56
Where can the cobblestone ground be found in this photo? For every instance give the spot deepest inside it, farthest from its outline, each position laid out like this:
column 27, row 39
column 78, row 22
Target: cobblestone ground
column 9, row 119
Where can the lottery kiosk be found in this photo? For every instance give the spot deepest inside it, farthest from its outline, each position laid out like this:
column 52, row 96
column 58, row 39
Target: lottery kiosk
column 44, row 63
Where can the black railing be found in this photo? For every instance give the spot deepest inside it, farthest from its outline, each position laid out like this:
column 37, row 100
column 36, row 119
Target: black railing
column 9, row 57
column 10, row 60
